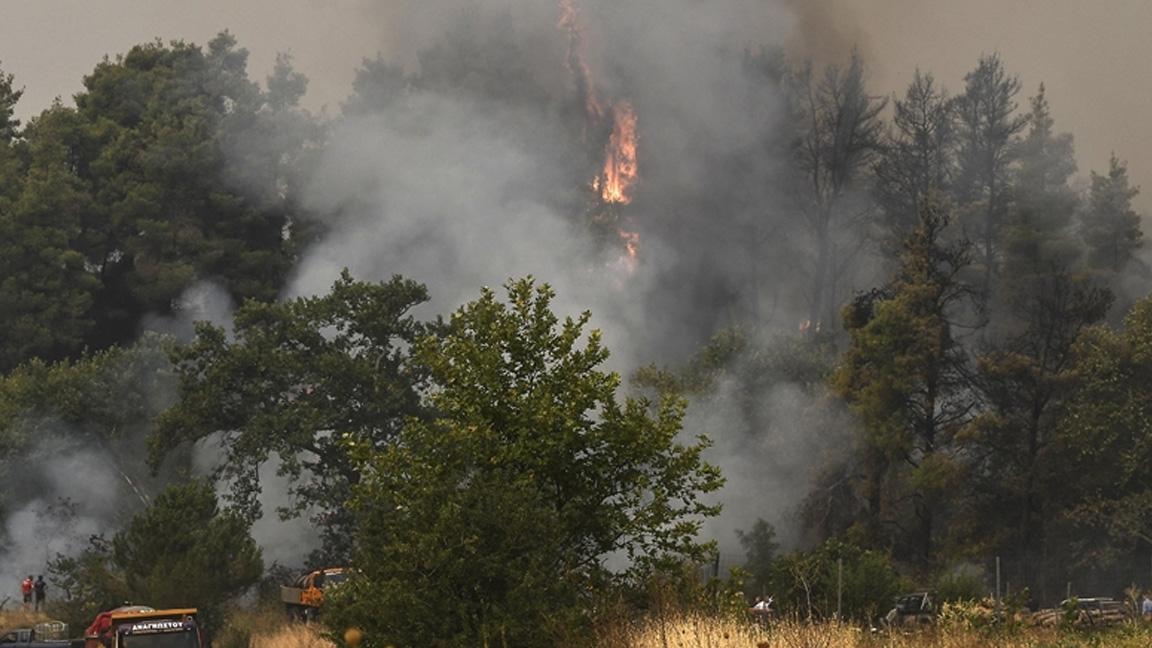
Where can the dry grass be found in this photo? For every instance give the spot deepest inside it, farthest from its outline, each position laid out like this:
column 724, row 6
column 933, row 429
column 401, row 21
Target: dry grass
column 700, row 632
column 12, row 619
column 292, row 635
column 697, row 632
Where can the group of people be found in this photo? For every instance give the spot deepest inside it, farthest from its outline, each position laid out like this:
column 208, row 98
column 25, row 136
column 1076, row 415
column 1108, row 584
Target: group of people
column 33, row 591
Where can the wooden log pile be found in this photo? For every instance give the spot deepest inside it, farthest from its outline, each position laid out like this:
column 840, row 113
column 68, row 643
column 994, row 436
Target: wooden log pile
column 1085, row 613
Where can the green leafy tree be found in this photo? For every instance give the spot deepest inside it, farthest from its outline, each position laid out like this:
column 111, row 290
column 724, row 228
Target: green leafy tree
column 183, row 551
column 807, row 584
column 760, row 552
column 1024, row 381
column 47, row 294
column 1104, row 441
column 172, row 168
column 104, row 402
column 906, row 377
column 86, row 584
column 295, row 383
column 493, row 522
column 168, row 212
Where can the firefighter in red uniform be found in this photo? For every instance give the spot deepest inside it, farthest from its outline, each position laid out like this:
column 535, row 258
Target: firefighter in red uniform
column 26, row 586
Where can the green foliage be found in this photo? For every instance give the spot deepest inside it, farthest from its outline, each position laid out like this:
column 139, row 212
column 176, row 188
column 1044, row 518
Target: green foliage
column 491, row 523
column 172, row 168
column 804, row 584
column 9, row 97
column 301, row 382
column 918, row 160
column 104, row 402
column 905, row 376
column 46, row 291
column 102, row 394
column 1104, row 439
column 183, row 551
column 1037, row 236
column 88, row 583
column 733, row 353
column 760, row 550
column 988, row 131
column 1109, row 226
column 961, row 586
column 1024, row 380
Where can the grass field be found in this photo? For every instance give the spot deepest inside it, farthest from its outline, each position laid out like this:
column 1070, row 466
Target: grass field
column 294, row 635
column 268, row 629
column 697, row 632
column 11, row 619
column 694, row 632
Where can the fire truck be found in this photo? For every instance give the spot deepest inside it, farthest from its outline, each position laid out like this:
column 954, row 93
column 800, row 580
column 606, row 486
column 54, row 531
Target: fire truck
column 144, row 627
column 305, row 596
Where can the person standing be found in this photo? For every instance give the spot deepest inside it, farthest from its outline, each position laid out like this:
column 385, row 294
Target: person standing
column 39, row 590
column 1146, row 607
column 26, row 586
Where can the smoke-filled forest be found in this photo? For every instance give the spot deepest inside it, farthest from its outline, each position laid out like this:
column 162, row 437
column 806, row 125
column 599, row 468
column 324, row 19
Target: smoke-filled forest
column 588, row 314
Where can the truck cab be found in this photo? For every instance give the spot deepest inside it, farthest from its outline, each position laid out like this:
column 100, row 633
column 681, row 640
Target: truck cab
column 914, row 609
column 143, row 627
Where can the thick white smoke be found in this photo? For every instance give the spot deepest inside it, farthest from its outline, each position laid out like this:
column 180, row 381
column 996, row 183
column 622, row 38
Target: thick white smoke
column 459, row 185
column 459, row 190
column 66, row 493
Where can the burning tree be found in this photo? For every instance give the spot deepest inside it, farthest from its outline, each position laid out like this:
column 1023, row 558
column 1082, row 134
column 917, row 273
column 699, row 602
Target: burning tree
column 612, row 186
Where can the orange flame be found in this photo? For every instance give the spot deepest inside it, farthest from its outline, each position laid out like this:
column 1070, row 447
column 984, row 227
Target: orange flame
column 614, row 183
column 631, row 248
column 620, row 168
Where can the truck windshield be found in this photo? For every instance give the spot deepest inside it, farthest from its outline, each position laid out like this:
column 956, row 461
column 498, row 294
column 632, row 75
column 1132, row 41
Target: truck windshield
column 185, row 639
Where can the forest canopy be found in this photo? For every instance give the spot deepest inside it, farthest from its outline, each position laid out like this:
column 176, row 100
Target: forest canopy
column 902, row 336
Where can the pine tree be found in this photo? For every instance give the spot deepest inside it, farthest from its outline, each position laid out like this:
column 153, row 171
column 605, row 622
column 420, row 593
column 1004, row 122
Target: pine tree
column 1037, row 240
column 988, row 130
column 918, row 158
column 1109, row 226
column 9, row 97
column 839, row 135
column 906, row 376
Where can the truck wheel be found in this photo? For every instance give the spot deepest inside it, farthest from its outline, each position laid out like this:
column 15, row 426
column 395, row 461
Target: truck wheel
column 310, row 614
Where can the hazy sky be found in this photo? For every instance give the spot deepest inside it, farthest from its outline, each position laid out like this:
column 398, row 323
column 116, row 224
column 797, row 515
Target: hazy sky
column 1092, row 56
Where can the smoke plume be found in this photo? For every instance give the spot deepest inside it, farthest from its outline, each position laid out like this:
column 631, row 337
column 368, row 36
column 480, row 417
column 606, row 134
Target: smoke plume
column 482, row 169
